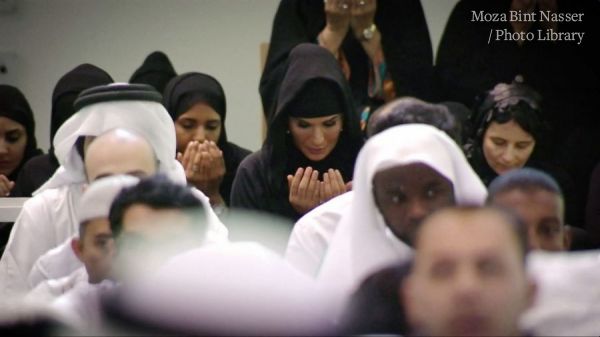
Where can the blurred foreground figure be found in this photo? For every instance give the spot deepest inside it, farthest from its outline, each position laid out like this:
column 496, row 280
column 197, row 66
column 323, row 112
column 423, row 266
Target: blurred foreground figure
column 469, row 276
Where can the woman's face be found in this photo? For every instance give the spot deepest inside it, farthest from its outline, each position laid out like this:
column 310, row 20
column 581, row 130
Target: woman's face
column 200, row 122
column 507, row 146
column 13, row 140
column 316, row 137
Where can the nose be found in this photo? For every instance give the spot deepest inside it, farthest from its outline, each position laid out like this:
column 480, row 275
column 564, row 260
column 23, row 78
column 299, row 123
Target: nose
column 200, row 134
column 3, row 147
column 508, row 156
column 318, row 137
column 467, row 285
column 417, row 210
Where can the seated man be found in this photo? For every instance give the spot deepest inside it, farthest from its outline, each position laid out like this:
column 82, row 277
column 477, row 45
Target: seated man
column 94, row 246
column 151, row 220
column 538, row 200
column 312, row 233
column 469, row 276
column 49, row 218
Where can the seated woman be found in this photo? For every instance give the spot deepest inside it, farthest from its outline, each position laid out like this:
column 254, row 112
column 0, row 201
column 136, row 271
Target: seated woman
column 17, row 136
column 509, row 130
column 197, row 104
column 312, row 140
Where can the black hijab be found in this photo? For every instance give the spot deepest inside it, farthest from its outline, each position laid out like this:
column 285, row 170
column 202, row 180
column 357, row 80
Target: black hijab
column 186, row 90
column 310, row 67
column 67, row 89
column 157, row 70
column 14, row 105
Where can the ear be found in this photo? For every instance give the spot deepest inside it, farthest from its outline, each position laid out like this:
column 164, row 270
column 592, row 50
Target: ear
column 567, row 237
column 532, row 289
column 76, row 246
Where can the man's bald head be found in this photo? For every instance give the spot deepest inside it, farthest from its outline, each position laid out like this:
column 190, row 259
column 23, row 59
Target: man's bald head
column 119, row 151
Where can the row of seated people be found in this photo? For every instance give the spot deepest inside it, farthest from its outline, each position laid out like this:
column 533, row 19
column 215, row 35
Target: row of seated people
column 150, row 255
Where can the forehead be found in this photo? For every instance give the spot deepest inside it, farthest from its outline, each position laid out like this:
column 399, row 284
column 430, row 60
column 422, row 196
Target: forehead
column 414, row 174
column 466, row 235
column 509, row 130
column 7, row 124
column 535, row 199
column 200, row 110
column 97, row 226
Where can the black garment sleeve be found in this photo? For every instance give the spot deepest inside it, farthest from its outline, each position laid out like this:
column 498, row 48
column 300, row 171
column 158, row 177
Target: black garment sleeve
column 247, row 190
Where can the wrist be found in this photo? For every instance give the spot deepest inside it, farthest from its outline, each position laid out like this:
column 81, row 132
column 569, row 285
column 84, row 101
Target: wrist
column 372, row 46
column 331, row 39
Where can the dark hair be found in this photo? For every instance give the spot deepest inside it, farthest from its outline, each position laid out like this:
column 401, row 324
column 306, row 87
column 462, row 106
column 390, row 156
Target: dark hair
column 525, row 179
column 412, row 110
column 156, row 192
column 508, row 102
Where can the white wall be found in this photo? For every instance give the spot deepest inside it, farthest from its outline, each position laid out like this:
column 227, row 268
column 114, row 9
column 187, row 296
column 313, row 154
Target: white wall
column 43, row 39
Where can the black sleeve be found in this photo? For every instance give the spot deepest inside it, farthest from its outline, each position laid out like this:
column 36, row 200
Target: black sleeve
column 248, row 190
column 407, row 47
column 290, row 28
column 461, row 68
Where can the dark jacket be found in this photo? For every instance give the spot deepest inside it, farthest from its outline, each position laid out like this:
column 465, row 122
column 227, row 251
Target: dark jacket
column 405, row 42
column 261, row 182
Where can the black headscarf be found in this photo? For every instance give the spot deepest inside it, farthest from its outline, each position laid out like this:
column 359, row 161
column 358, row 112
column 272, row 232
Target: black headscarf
column 67, row 89
column 14, row 105
column 157, row 70
column 186, row 90
column 311, row 66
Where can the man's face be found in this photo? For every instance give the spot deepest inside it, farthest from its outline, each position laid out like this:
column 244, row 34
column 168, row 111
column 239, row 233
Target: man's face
column 96, row 249
column 543, row 212
column 104, row 159
column 468, row 277
column 406, row 194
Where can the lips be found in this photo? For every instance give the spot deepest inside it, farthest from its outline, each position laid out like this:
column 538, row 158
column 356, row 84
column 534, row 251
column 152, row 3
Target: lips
column 315, row 151
column 469, row 325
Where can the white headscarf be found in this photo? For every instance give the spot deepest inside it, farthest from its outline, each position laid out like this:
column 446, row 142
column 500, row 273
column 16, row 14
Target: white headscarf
column 363, row 243
column 98, row 197
column 147, row 119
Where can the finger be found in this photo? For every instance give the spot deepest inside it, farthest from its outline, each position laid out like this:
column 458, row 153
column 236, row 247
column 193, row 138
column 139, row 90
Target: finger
column 296, row 181
column 187, row 155
column 179, row 157
column 326, row 186
column 349, row 186
column 5, row 185
column 313, row 184
column 289, row 180
column 302, row 188
column 339, row 183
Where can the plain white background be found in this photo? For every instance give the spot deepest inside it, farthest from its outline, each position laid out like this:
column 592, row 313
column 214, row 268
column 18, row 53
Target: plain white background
column 43, row 39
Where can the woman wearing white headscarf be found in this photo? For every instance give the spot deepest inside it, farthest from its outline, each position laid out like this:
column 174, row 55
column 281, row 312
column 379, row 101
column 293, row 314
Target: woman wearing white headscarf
column 367, row 239
column 50, row 217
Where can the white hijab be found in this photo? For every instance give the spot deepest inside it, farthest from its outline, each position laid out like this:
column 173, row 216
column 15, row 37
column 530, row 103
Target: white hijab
column 363, row 243
column 149, row 120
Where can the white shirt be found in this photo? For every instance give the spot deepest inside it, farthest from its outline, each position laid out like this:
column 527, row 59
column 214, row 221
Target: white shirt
column 49, row 290
column 45, row 222
column 567, row 302
column 312, row 234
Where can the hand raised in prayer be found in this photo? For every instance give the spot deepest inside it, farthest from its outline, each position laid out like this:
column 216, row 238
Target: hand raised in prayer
column 204, row 168
column 5, row 186
column 337, row 15
column 304, row 189
column 362, row 16
column 333, row 185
